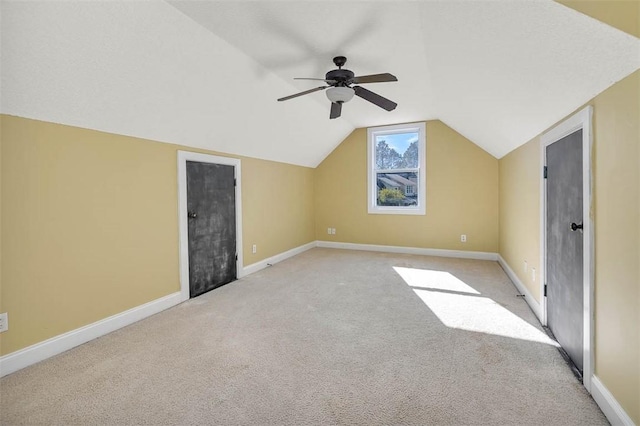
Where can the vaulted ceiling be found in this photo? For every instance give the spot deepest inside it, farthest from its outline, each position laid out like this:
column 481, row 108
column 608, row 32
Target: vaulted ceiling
column 207, row 74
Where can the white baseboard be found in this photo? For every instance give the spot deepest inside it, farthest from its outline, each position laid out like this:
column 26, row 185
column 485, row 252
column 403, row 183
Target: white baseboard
column 479, row 255
column 528, row 297
column 255, row 267
column 605, row 400
column 608, row 404
column 40, row 351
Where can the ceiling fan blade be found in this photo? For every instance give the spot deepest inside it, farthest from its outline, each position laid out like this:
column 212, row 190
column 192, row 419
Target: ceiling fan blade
column 286, row 98
column 374, row 78
column 336, row 109
column 374, row 98
column 316, row 79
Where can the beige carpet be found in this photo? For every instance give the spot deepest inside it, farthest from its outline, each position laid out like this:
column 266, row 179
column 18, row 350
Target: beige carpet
column 328, row 337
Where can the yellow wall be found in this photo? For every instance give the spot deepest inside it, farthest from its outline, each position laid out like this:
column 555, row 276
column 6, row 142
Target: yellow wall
column 520, row 213
column 277, row 207
column 616, row 213
column 462, row 197
column 90, row 226
column 617, row 241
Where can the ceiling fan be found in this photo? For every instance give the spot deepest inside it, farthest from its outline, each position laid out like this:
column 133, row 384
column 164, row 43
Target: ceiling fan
column 339, row 88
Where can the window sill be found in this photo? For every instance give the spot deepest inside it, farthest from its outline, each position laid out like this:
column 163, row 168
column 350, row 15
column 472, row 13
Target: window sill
column 393, row 211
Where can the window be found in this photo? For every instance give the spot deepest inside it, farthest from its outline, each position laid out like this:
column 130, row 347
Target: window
column 396, row 169
column 410, row 190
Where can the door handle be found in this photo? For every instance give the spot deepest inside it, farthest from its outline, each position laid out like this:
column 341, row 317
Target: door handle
column 192, row 215
column 575, row 226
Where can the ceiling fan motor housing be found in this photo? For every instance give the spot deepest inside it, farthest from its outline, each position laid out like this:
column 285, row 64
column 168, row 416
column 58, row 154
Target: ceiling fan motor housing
column 342, row 77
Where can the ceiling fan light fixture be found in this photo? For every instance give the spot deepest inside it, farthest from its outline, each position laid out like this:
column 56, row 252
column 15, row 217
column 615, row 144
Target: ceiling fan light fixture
column 340, row 94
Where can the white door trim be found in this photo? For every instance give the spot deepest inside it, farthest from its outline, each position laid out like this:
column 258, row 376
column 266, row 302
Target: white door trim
column 183, row 157
column 580, row 120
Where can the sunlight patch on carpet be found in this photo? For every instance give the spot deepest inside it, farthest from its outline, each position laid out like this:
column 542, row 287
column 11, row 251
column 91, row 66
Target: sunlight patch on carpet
column 433, row 280
column 458, row 305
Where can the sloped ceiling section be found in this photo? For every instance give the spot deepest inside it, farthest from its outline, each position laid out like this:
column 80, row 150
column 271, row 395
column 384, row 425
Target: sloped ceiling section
column 207, row 73
column 144, row 69
column 507, row 71
column 300, row 39
column 499, row 72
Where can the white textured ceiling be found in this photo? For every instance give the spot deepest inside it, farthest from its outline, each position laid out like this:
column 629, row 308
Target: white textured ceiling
column 207, row 73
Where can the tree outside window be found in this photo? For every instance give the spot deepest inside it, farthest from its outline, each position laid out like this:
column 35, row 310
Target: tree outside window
column 396, row 169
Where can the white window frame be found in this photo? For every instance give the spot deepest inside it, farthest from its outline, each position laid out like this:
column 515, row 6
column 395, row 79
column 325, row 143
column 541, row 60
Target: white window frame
column 372, row 188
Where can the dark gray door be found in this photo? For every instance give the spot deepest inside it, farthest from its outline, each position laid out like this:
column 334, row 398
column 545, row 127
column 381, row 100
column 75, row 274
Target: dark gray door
column 565, row 289
column 211, row 208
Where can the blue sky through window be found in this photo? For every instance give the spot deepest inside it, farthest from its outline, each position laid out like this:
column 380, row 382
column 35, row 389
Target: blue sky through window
column 398, row 141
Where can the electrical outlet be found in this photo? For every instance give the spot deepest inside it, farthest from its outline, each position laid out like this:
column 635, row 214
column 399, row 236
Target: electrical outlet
column 254, row 249
column 333, row 231
column 463, row 238
column 533, row 274
column 4, row 322
column 329, row 231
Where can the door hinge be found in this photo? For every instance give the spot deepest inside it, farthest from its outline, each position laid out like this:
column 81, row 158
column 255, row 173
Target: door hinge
column 545, row 172
column 545, row 290
column 234, row 182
